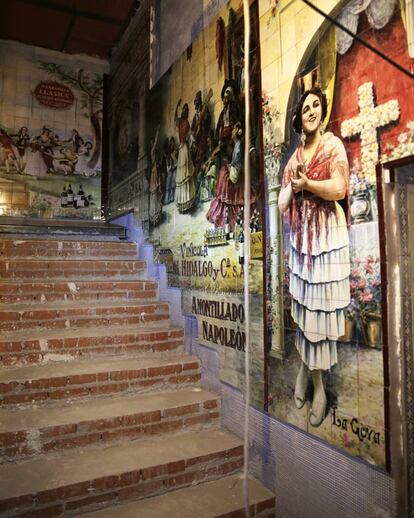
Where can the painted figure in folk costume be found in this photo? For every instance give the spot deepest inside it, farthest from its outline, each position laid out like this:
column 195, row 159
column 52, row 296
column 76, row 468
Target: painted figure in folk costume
column 185, row 182
column 210, row 169
column 315, row 178
column 22, row 140
column 229, row 190
column 155, row 205
column 7, row 150
column 229, row 115
column 170, row 169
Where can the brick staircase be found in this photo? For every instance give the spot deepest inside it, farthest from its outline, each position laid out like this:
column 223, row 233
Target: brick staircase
column 102, row 413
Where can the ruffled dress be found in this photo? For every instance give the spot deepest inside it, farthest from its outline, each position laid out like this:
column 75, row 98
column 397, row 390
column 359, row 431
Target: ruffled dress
column 319, row 264
column 185, row 186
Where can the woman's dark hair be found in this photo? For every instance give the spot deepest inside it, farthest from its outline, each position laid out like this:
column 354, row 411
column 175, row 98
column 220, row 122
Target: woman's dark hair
column 297, row 116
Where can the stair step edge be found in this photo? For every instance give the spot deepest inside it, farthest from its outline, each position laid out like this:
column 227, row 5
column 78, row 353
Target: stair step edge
column 217, row 498
column 88, row 332
column 52, row 472
column 47, row 416
column 9, row 374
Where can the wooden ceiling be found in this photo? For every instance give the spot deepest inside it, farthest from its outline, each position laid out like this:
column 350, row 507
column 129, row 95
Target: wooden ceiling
column 90, row 27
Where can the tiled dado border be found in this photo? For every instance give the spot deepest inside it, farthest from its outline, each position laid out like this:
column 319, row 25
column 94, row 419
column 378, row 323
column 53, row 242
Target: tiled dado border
column 404, row 181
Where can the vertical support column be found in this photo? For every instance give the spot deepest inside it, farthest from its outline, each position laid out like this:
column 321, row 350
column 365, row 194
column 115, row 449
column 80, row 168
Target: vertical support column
column 276, row 262
column 409, row 15
column 142, row 201
column 141, row 127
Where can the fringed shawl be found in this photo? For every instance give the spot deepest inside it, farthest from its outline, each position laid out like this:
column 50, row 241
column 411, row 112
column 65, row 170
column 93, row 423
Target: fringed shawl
column 305, row 207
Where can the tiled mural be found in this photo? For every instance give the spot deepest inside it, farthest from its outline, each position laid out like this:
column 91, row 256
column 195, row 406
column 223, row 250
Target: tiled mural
column 318, row 346
column 50, row 133
column 332, row 111
column 195, row 134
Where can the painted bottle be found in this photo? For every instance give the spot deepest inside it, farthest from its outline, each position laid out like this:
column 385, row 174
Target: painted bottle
column 70, row 196
column 64, row 197
column 241, row 247
column 80, row 198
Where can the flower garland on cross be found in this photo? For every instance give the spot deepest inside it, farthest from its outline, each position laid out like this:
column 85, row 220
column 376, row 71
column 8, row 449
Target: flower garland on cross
column 366, row 124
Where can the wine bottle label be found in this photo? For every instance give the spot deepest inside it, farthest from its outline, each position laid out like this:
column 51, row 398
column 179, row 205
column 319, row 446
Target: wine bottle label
column 241, row 249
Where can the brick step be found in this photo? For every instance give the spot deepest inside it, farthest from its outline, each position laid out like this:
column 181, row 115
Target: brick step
column 84, row 314
column 96, row 377
column 221, row 498
column 69, row 268
column 85, row 479
column 26, row 248
column 44, row 345
column 13, row 292
column 31, row 431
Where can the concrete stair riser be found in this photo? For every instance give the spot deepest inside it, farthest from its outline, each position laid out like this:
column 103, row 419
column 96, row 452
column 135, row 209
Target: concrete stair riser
column 23, row 351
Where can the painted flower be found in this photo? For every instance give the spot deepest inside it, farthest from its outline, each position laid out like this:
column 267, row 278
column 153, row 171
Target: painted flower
column 365, row 286
column 362, row 284
column 366, row 296
column 369, row 269
column 356, row 272
column 402, row 138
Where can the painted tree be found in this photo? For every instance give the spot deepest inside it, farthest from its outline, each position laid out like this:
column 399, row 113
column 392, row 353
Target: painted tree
column 91, row 98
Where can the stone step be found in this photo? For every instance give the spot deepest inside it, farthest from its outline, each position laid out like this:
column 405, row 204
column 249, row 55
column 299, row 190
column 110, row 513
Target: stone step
column 62, row 228
column 34, row 431
column 54, row 269
column 13, row 292
column 81, row 480
column 96, row 377
column 46, row 345
column 221, row 498
column 84, row 314
column 33, row 248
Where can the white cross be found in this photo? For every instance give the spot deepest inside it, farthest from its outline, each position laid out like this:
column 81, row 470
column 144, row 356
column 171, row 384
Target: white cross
column 366, row 124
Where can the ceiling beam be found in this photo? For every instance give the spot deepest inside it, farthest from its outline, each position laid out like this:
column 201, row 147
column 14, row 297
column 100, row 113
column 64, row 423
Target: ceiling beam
column 134, row 8
column 76, row 12
column 67, row 33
